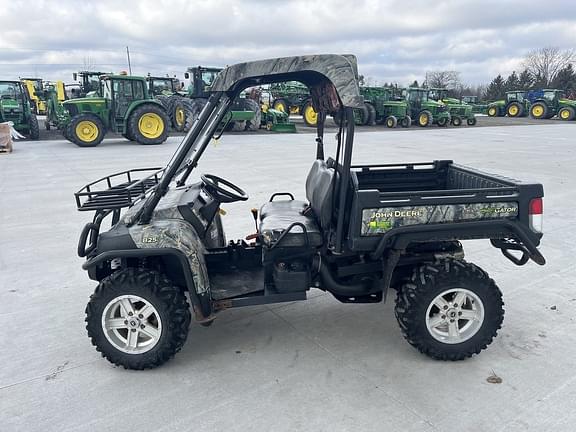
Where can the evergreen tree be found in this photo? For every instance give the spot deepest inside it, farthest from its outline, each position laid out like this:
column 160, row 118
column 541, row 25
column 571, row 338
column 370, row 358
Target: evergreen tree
column 496, row 89
column 565, row 79
column 512, row 82
column 414, row 84
column 525, row 80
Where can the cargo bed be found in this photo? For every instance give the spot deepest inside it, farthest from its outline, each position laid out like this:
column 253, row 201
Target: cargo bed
column 438, row 200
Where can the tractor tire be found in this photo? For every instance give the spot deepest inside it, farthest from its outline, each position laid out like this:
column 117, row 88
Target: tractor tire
column 309, row 115
column 254, row 124
column 539, row 110
column 364, row 115
column 85, row 130
column 567, row 113
column 237, row 126
column 281, row 105
column 148, row 124
column 46, row 125
column 515, row 110
column 456, row 121
column 177, row 113
column 406, row 122
column 493, row 111
column 425, row 118
column 471, row 121
column 443, row 122
column 391, row 122
column 34, row 128
column 164, row 100
column 449, row 310
column 194, row 107
column 371, row 114
column 137, row 318
column 128, row 136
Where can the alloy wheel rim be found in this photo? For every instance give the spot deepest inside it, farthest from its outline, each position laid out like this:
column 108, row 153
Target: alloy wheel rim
column 131, row 324
column 454, row 316
column 151, row 125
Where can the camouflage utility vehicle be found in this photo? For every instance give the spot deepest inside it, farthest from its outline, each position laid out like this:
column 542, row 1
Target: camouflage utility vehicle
column 362, row 230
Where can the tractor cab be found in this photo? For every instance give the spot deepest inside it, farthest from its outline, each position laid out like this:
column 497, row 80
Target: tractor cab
column 15, row 107
column 163, row 86
column 425, row 110
column 201, row 78
column 515, row 96
column 89, row 82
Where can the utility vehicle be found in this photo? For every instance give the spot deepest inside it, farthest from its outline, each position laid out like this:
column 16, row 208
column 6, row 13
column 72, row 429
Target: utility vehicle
column 362, row 230
column 15, row 107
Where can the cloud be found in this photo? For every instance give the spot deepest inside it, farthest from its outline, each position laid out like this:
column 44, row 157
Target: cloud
column 395, row 41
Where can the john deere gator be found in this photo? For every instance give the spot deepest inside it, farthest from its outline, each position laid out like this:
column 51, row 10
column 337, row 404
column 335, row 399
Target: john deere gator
column 516, row 104
column 548, row 103
column 123, row 105
column 459, row 111
column 15, row 107
column 424, row 110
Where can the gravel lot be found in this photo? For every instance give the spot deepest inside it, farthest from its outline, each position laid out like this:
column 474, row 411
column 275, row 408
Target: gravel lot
column 318, row 365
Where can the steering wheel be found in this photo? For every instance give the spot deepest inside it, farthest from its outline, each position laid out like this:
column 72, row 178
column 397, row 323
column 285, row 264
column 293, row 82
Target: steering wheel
column 227, row 194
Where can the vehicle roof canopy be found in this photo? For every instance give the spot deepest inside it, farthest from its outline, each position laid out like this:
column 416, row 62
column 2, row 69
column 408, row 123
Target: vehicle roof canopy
column 316, row 71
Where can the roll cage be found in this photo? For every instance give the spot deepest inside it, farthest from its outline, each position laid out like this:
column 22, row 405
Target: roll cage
column 333, row 84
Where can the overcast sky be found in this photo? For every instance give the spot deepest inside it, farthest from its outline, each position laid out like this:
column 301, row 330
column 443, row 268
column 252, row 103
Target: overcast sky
column 395, row 41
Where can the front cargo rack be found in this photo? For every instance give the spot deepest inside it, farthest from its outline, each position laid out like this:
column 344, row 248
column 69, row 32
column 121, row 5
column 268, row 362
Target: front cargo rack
column 117, row 190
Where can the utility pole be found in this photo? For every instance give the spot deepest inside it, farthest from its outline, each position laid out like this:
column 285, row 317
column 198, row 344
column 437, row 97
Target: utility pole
column 128, row 55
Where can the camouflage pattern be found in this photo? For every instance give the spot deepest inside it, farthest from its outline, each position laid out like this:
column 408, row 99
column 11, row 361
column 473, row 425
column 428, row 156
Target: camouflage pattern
column 342, row 71
column 381, row 220
column 168, row 229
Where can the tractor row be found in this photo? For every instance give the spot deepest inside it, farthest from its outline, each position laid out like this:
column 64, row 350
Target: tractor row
column 539, row 104
column 382, row 105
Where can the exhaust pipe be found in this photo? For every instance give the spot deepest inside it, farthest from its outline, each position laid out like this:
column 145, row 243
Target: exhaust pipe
column 335, row 287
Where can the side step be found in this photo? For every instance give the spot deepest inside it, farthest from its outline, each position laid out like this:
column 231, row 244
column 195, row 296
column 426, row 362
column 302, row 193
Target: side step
column 268, row 296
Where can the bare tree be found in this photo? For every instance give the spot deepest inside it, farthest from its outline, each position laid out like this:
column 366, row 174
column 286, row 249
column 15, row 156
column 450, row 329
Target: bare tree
column 443, row 79
column 545, row 63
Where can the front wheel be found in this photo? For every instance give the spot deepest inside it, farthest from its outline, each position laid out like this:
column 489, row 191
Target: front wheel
column 457, row 121
column 34, row 128
column 85, row 130
column 309, row 114
column 391, row 122
column 567, row 113
column 137, row 319
column 471, row 121
column 450, row 310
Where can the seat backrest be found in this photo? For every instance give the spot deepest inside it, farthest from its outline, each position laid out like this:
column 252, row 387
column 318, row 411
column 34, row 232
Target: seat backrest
column 319, row 191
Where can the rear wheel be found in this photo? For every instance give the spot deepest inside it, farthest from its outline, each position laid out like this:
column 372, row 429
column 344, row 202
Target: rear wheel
column 539, row 110
column 450, row 310
column 254, row 123
column 281, row 105
column 391, row 122
column 149, row 124
column 85, row 130
column 371, row 114
column 424, row 118
column 177, row 114
column 193, row 109
column 515, row 110
column 309, row 114
column 492, row 111
column 137, row 319
column 567, row 113
column 34, row 128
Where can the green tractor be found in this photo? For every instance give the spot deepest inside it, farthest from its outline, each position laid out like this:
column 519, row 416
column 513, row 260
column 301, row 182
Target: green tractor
column 54, row 95
column 459, row 111
column 168, row 91
column 425, row 110
column 382, row 107
column 548, row 103
column 477, row 107
column 245, row 113
column 294, row 98
column 122, row 105
column 15, row 107
column 516, row 104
